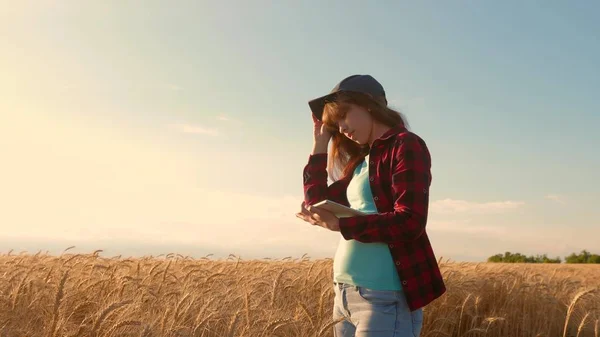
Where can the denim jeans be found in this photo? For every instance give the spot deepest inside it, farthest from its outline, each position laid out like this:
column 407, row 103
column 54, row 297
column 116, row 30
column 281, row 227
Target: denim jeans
column 374, row 313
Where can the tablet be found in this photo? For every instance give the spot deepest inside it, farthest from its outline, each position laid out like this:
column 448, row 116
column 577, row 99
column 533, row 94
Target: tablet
column 339, row 210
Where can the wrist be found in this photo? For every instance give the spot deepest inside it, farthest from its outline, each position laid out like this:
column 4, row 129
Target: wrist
column 319, row 147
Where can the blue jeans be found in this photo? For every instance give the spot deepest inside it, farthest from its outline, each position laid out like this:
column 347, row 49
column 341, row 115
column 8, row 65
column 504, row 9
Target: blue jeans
column 373, row 313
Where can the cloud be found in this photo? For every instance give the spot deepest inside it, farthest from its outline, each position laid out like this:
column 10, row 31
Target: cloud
column 165, row 214
column 463, row 206
column 224, row 118
column 556, row 198
column 465, row 227
column 195, row 129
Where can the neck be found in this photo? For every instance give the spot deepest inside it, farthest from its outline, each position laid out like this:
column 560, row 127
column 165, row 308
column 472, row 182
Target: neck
column 377, row 130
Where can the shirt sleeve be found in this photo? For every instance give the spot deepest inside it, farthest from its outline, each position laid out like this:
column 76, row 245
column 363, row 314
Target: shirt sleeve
column 315, row 182
column 410, row 181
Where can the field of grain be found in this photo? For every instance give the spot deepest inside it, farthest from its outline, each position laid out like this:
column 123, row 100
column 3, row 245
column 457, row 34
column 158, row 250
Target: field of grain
column 173, row 295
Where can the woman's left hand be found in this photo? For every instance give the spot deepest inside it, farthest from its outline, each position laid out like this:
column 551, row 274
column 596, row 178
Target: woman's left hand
column 319, row 217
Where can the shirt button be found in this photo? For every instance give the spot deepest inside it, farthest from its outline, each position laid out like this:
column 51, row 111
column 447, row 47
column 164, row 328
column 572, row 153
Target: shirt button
column 391, row 246
column 397, row 263
column 372, row 179
column 372, row 162
column 376, row 198
column 404, row 282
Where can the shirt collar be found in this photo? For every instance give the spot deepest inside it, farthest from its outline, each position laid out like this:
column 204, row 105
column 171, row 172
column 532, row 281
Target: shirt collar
column 393, row 131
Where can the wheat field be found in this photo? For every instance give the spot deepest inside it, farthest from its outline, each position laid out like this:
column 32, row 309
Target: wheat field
column 173, row 295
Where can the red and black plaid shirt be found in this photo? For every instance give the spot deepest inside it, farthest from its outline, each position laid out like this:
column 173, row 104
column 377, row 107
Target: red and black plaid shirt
column 400, row 176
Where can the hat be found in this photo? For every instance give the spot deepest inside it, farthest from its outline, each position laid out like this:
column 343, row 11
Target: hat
column 365, row 84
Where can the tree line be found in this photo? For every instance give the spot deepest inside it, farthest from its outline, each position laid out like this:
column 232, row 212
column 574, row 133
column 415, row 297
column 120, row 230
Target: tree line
column 508, row 257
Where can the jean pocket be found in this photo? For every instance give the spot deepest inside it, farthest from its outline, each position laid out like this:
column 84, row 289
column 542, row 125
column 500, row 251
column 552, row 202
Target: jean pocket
column 381, row 297
column 417, row 321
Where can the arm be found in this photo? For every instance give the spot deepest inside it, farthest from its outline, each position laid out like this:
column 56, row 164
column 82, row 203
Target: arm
column 315, row 182
column 410, row 182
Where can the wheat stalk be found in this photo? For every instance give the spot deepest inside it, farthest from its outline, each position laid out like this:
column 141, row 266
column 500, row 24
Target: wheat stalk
column 198, row 298
column 571, row 308
column 275, row 283
column 145, row 332
column 162, row 282
column 462, row 310
column 122, row 324
column 233, row 323
column 57, row 301
column 201, row 324
column 328, row 326
column 582, row 324
column 270, row 329
column 20, row 287
column 105, row 313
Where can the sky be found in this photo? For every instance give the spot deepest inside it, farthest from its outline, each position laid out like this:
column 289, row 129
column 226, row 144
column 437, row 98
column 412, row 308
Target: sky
column 183, row 127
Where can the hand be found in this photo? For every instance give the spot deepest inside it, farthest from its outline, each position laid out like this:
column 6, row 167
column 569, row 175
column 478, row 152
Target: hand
column 319, row 217
column 321, row 135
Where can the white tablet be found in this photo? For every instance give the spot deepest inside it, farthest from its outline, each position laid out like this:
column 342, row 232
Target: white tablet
column 339, row 210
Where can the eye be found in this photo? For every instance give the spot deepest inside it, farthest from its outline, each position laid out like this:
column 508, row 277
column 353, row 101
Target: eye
column 342, row 113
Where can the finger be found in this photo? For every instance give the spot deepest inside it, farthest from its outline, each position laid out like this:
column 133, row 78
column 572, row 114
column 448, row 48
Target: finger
column 313, row 210
column 318, row 212
column 305, row 208
column 302, row 216
column 306, row 212
column 308, row 218
column 316, row 216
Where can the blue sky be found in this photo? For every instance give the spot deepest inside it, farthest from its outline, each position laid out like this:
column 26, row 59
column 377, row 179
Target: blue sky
column 184, row 125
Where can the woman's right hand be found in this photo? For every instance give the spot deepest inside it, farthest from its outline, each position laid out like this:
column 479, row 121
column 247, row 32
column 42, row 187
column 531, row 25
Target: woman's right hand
column 321, row 136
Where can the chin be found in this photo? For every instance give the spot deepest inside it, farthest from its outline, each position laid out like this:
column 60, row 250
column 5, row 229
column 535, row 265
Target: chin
column 358, row 141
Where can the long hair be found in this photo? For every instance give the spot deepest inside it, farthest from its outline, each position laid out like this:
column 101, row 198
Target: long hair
column 345, row 154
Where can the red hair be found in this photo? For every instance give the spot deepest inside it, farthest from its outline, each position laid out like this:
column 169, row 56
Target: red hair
column 346, row 154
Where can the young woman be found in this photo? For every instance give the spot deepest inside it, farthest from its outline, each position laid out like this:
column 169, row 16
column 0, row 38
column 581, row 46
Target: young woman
column 384, row 270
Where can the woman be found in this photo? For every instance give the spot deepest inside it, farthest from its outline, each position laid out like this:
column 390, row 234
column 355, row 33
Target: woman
column 385, row 270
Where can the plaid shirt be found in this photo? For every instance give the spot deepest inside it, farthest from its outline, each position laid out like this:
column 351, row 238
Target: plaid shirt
column 400, row 176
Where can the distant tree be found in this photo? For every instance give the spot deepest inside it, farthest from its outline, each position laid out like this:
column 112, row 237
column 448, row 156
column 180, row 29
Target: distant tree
column 509, row 257
column 495, row 258
column 573, row 258
column 554, row 260
column 594, row 258
column 583, row 257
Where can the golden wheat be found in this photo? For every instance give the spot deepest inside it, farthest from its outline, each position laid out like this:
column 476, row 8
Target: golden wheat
column 173, row 295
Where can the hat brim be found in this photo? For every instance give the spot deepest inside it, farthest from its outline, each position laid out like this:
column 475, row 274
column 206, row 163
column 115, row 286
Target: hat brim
column 317, row 105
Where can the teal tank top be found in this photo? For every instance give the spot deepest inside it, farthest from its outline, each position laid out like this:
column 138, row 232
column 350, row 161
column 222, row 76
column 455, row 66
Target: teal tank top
column 367, row 265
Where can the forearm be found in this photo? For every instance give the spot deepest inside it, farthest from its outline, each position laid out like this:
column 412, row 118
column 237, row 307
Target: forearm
column 315, row 181
column 315, row 178
column 387, row 227
column 319, row 148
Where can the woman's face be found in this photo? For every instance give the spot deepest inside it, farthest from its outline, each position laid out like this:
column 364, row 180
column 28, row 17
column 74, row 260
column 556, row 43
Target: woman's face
column 356, row 124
